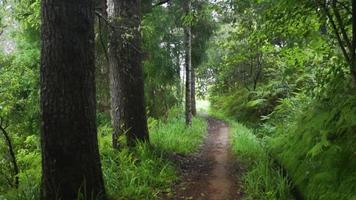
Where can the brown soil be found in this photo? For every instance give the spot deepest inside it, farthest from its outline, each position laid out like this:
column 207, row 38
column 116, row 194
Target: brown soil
column 211, row 174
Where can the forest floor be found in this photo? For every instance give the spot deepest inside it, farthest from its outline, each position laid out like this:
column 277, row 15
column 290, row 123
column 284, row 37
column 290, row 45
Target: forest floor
column 212, row 173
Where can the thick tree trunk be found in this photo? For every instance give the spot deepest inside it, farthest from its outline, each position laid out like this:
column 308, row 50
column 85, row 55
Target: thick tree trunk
column 193, row 94
column 126, row 75
column 70, row 155
column 188, row 66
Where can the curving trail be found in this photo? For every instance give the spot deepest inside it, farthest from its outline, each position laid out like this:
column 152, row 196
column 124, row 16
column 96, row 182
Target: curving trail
column 211, row 174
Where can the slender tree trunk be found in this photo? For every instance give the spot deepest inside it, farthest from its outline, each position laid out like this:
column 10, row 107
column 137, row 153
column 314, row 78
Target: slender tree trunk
column 70, row 156
column 180, row 86
column 193, row 95
column 12, row 155
column 353, row 45
column 102, row 64
column 188, row 66
column 126, row 75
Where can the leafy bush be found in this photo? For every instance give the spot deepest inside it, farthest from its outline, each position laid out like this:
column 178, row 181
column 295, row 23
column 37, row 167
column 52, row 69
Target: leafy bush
column 316, row 145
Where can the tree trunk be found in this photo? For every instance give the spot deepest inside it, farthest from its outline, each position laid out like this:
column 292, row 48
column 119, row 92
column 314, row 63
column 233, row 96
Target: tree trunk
column 12, row 155
column 70, row 156
column 353, row 45
column 102, row 64
column 193, row 95
column 188, row 66
column 126, row 75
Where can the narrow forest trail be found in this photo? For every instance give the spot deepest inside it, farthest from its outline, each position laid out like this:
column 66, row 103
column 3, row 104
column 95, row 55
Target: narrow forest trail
column 211, row 174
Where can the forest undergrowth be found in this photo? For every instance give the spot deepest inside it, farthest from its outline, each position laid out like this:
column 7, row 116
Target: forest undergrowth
column 139, row 173
column 311, row 140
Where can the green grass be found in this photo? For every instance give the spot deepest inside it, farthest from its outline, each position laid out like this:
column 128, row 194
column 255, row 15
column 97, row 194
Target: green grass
column 145, row 172
column 263, row 180
column 174, row 136
column 139, row 173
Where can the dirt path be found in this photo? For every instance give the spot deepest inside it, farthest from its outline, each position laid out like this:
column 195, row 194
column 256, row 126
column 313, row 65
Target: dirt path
column 212, row 174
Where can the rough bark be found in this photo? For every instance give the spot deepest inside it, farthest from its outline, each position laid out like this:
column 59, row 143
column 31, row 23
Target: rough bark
column 126, row 75
column 70, row 157
column 188, row 66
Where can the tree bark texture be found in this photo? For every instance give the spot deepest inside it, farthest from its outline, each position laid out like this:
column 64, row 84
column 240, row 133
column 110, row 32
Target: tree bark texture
column 70, row 156
column 188, row 66
column 126, row 74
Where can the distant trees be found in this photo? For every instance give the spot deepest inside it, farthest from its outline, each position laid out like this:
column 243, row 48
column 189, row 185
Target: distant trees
column 126, row 77
column 70, row 156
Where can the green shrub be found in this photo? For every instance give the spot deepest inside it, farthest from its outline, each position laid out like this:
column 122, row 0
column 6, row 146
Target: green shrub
column 263, row 180
column 316, row 145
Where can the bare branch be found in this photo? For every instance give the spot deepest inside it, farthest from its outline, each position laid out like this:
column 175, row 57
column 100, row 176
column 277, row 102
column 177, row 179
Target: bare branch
column 100, row 16
column 338, row 37
column 12, row 155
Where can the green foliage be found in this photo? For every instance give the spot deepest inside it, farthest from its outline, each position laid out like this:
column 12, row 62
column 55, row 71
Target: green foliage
column 317, row 147
column 161, row 70
column 302, row 107
column 29, row 162
column 19, row 107
column 139, row 173
column 174, row 136
column 144, row 172
column 263, row 179
column 28, row 13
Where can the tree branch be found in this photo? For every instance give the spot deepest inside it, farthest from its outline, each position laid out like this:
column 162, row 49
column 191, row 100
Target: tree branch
column 100, row 16
column 338, row 37
column 12, row 153
column 341, row 26
column 342, row 4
